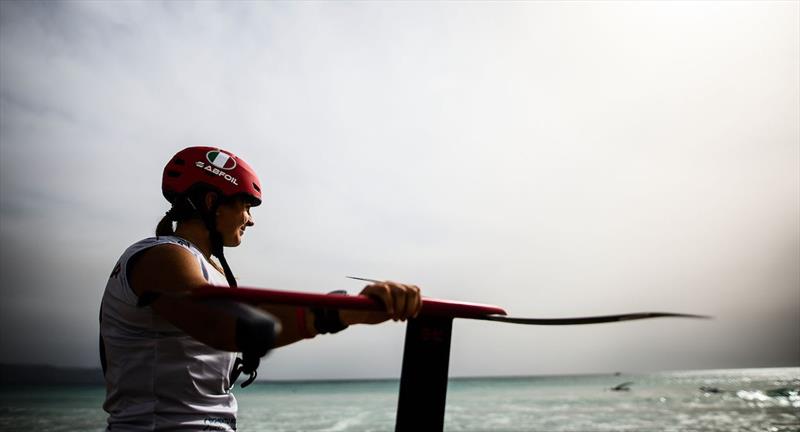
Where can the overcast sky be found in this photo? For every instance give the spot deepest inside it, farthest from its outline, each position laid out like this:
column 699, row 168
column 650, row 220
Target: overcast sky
column 554, row 158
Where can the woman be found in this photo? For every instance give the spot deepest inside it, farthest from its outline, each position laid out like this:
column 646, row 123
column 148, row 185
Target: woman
column 169, row 362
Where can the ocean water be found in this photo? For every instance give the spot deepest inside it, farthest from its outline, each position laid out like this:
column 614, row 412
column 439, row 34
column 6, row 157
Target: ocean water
column 732, row 400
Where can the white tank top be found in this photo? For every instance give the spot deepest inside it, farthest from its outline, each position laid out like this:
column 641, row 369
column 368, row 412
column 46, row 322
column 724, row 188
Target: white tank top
column 157, row 376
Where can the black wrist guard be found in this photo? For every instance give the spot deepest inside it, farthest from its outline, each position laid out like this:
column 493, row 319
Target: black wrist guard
column 328, row 320
column 256, row 331
column 255, row 336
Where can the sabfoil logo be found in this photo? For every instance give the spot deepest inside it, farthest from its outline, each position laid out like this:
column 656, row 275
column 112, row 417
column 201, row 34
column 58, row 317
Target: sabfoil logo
column 221, row 160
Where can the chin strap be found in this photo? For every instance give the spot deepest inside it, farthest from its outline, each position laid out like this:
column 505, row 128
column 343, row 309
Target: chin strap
column 217, row 251
column 217, row 248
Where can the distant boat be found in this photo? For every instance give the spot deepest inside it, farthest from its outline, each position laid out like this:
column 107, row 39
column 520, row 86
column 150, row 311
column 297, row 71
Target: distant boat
column 706, row 389
column 783, row 392
column 786, row 392
column 622, row 387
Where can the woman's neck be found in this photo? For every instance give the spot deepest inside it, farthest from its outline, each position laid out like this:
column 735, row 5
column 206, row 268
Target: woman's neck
column 196, row 232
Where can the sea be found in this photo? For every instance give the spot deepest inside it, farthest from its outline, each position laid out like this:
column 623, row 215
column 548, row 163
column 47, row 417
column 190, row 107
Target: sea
column 709, row 400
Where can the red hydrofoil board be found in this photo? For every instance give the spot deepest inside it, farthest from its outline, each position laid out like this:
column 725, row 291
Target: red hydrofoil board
column 430, row 306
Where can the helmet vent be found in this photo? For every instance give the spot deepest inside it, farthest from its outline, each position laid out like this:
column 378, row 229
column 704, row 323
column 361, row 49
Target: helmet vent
column 256, row 187
column 179, row 161
column 172, row 173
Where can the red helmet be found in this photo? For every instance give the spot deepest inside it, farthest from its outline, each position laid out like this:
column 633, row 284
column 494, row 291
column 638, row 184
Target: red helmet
column 211, row 166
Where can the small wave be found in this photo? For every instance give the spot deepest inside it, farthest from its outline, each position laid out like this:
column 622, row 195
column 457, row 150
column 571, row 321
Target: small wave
column 346, row 424
column 781, row 397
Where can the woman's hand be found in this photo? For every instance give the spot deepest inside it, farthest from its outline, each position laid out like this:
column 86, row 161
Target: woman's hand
column 402, row 302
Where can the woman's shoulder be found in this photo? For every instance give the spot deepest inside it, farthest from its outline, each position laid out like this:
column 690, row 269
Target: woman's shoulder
column 154, row 254
column 153, row 242
column 164, row 264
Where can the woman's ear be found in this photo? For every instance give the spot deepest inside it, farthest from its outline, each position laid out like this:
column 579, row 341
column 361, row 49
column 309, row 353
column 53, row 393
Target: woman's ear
column 210, row 200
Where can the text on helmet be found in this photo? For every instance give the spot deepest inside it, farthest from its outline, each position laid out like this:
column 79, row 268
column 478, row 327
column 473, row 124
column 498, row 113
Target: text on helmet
column 218, row 172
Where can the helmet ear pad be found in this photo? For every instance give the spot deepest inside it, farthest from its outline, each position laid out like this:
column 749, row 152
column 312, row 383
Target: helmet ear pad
column 196, row 203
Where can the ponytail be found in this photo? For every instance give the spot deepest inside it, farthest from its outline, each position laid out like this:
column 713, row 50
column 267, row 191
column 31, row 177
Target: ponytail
column 164, row 227
column 182, row 209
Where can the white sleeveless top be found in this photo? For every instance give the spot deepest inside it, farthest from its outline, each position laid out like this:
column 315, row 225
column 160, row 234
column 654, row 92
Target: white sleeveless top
column 157, row 376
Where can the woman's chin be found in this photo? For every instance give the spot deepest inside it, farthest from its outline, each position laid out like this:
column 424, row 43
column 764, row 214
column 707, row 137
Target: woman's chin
column 236, row 241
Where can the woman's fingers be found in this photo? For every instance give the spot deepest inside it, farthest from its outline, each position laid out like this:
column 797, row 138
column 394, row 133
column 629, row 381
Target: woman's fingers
column 381, row 292
column 401, row 301
column 417, row 303
column 389, row 299
column 399, row 295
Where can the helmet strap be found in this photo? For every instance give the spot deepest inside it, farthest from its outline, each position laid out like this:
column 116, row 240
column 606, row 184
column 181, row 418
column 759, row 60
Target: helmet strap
column 217, row 251
column 210, row 220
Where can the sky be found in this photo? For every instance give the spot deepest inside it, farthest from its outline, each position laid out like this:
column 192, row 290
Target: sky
column 554, row 158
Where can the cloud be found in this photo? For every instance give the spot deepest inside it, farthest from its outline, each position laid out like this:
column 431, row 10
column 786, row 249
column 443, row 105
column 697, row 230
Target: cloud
column 557, row 160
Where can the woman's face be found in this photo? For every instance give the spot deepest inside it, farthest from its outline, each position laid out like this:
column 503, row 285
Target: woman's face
column 232, row 219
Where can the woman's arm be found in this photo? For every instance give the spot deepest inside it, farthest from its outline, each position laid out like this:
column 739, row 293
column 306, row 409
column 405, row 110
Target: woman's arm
column 401, row 302
column 170, row 268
